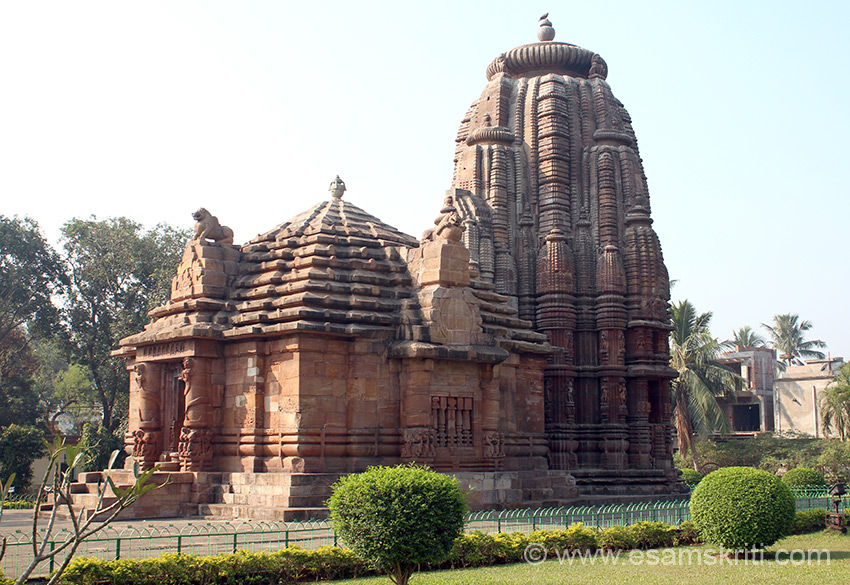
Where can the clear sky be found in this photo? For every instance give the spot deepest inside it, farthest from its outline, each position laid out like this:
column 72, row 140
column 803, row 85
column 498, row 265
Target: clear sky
column 152, row 109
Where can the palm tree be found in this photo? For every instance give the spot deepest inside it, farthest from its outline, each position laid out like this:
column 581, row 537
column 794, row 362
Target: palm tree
column 786, row 335
column 745, row 337
column 835, row 404
column 702, row 380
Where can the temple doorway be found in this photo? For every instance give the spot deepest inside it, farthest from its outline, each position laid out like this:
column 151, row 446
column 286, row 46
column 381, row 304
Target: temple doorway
column 173, row 404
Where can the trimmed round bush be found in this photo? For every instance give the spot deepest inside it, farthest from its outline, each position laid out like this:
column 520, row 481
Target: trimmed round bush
column 801, row 478
column 740, row 508
column 398, row 517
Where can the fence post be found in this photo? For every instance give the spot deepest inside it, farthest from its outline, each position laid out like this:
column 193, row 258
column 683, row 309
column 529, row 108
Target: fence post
column 52, row 546
column 179, row 543
column 235, row 539
column 286, row 538
column 335, row 541
column 117, row 548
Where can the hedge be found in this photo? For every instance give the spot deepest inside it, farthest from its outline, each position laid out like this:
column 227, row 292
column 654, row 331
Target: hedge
column 809, row 521
column 289, row 565
column 691, row 477
column 294, row 565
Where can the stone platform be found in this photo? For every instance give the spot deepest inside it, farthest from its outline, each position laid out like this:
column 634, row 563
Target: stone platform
column 285, row 496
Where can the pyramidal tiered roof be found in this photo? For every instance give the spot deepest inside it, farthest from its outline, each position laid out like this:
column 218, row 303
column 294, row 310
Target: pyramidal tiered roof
column 333, row 268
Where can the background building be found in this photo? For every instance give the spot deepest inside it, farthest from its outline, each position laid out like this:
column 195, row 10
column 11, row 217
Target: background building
column 797, row 396
column 752, row 411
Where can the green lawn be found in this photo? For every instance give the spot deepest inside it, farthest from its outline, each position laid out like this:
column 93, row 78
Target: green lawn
column 697, row 571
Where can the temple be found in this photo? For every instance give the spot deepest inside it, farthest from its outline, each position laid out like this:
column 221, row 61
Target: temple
column 520, row 344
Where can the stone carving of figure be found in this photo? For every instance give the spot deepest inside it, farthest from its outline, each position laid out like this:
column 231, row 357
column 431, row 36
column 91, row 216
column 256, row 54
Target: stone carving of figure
column 186, row 375
column 195, row 396
column 195, row 448
column 146, row 439
column 146, row 447
column 448, row 223
column 621, row 347
column 209, row 231
column 418, row 443
column 603, row 347
column 148, row 398
column 598, row 67
column 494, row 445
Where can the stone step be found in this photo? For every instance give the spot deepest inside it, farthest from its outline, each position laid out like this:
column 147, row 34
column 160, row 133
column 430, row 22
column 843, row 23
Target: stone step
column 262, row 513
column 281, row 479
column 89, row 501
column 274, row 490
column 276, row 501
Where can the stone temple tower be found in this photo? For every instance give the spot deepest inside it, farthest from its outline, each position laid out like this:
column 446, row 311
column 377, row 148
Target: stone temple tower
column 552, row 193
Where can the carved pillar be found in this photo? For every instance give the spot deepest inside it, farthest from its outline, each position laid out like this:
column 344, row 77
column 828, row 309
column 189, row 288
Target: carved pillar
column 418, row 409
column 147, row 437
column 492, row 440
column 195, row 448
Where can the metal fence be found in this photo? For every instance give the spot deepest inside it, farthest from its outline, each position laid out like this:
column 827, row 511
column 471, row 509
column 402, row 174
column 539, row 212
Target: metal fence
column 671, row 512
column 210, row 539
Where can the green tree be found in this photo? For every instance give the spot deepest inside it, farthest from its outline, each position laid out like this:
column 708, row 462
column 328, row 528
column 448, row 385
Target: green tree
column 835, row 404
column 98, row 443
column 69, row 393
column 398, row 517
column 19, row 447
column 701, row 381
column 19, row 400
column 31, row 274
column 118, row 273
column 746, row 337
column 787, row 336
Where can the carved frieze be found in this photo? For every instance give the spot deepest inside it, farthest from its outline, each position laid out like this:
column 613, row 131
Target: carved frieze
column 195, row 449
column 419, row 443
column 494, row 445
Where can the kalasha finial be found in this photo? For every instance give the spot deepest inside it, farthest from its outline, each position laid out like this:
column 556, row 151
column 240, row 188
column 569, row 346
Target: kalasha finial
column 337, row 188
column 545, row 32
